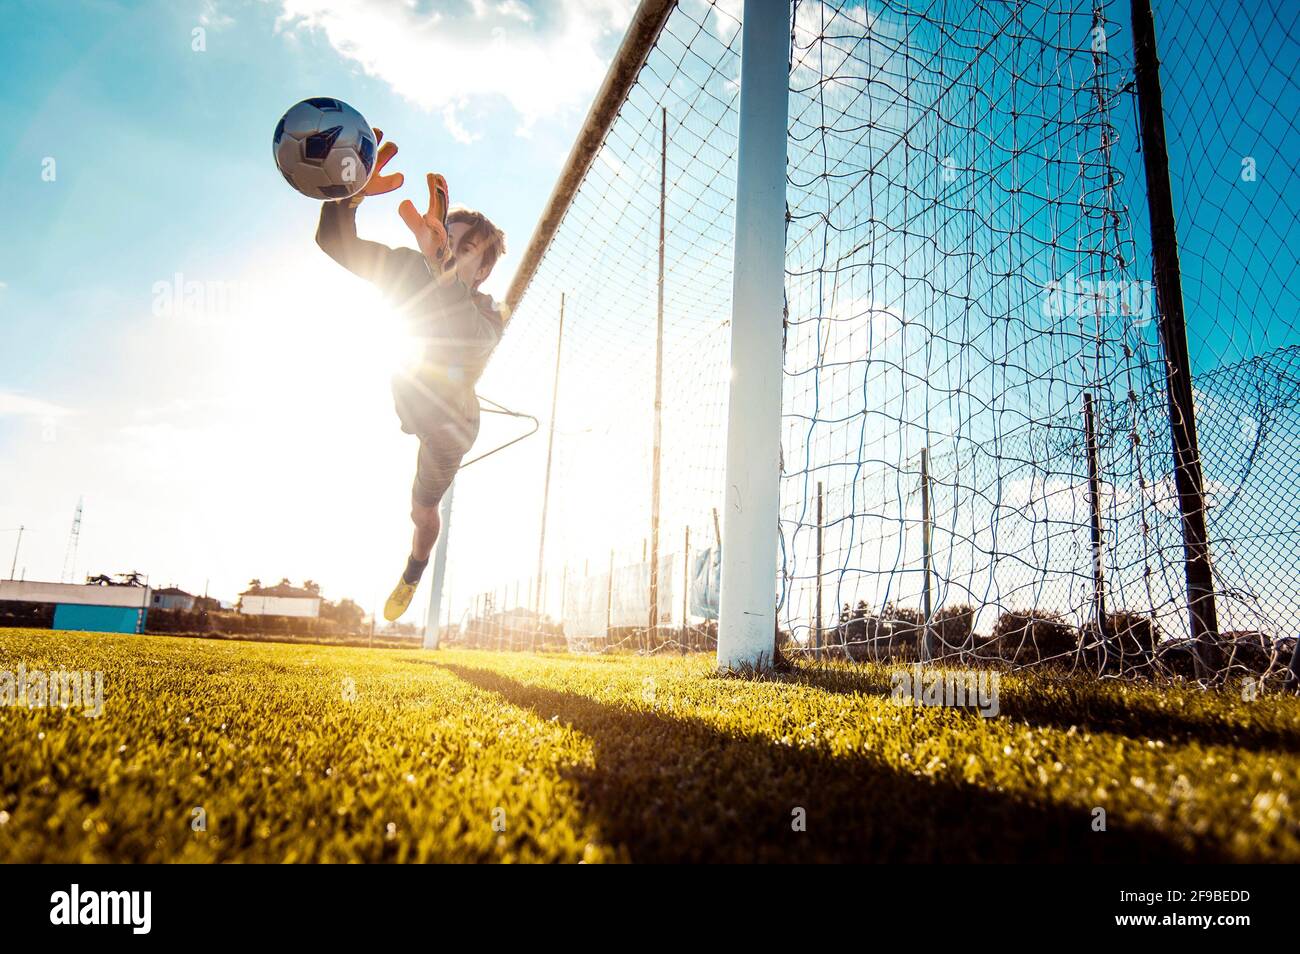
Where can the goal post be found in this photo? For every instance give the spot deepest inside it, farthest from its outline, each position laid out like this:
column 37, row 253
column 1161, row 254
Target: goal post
column 438, row 584
column 747, row 598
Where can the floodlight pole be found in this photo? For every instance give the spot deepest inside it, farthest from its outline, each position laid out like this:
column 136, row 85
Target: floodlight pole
column 747, row 597
column 13, row 568
column 439, row 570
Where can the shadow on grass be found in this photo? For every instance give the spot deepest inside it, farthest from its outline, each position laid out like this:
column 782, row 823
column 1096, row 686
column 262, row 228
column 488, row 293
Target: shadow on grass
column 669, row 789
column 1092, row 705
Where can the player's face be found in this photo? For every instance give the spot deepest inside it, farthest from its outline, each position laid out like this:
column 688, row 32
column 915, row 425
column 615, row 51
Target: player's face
column 466, row 255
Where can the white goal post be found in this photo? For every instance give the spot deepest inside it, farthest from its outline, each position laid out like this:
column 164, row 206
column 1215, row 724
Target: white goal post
column 747, row 597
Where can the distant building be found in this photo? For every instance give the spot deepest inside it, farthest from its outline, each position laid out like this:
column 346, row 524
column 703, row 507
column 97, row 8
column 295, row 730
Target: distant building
column 88, row 607
column 171, row 598
column 279, row 600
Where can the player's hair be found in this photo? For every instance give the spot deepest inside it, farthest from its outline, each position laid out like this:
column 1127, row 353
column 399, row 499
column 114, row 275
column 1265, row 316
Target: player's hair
column 481, row 229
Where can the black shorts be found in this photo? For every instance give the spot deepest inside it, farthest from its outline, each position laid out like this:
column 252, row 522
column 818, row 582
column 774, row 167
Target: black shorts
column 446, row 421
column 434, row 468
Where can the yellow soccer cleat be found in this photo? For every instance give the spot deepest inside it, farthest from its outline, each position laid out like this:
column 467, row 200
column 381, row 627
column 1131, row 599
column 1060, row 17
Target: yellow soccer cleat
column 399, row 600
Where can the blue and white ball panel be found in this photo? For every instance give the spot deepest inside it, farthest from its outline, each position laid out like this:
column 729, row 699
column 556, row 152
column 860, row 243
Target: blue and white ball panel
column 324, row 148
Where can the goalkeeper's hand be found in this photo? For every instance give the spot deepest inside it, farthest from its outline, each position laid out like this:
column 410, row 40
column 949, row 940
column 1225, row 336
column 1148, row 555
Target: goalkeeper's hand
column 379, row 184
column 430, row 228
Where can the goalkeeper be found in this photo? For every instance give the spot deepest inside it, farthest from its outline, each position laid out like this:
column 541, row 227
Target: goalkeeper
column 436, row 293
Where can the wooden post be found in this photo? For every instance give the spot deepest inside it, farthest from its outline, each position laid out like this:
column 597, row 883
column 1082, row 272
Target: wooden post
column 817, row 610
column 535, row 599
column 564, row 595
column 1203, row 613
column 686, row 582
column 717, row 542
column 609, row 600
column 927, row 634
column 659, row 387
column 513, row 626
column 1094, row 495
column 550, row 446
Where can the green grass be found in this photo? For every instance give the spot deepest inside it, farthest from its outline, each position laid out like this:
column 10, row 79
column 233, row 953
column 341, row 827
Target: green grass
column 618, row 758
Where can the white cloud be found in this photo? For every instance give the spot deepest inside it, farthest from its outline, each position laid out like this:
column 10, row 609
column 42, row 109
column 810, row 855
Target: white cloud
column 212, row 17
column 13, row 404
column 451, row 119
column 726, row 14
column 513, row 8
column 542, row 62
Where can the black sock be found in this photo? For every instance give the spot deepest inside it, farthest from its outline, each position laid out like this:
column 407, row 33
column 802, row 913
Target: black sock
column 414, row 570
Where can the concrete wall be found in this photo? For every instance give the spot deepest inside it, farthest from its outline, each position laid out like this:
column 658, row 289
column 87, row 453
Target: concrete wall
column 279, row 606
column 33, row 591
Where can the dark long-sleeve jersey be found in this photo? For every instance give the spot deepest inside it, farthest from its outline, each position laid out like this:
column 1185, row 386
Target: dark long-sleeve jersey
column 459, row 327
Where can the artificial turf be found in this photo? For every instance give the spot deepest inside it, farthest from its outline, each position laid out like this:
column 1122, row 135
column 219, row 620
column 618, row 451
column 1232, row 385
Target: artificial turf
column 222, row 751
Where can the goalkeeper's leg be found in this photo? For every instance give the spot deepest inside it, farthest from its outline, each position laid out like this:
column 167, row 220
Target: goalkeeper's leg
column 435, row 468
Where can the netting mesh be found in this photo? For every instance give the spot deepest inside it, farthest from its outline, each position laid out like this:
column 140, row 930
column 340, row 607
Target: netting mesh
column 604, row 262
column 1230, row 92
column 942, row 177
column 968, row 294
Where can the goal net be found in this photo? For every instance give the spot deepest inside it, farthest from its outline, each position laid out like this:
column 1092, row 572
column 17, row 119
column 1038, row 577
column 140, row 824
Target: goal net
column 976, row 456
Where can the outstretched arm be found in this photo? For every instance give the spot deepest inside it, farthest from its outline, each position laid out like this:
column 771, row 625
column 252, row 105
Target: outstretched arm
column 373, row 261
column 337, row 231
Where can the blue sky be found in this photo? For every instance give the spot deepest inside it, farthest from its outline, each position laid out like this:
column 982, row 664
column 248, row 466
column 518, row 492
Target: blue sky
column 1230, row 97
column 223, row 442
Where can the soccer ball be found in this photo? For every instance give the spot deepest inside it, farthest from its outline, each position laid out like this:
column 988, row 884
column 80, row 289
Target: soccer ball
column 325, row 149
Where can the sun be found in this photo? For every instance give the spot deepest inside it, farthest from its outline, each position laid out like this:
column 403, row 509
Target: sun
column 303, row 345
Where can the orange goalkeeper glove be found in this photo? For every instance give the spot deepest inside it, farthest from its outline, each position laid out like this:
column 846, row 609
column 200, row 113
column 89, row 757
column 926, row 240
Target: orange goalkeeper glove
column 378, row 184
column 430, row 228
